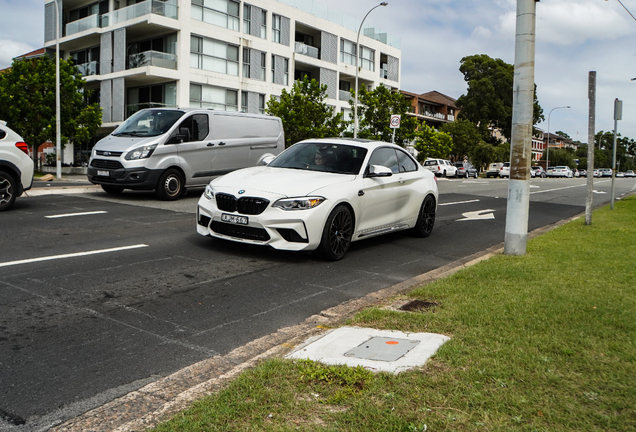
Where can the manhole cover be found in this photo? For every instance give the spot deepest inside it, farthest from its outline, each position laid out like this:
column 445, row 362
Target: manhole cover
column 418, row 305
column 382, row 349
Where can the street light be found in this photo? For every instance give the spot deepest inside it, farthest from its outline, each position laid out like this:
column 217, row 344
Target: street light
column 547, row 149
column 355, row 106
column 58, row 139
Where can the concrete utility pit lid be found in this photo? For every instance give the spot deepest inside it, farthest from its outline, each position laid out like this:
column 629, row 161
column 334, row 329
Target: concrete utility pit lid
column 372, row 349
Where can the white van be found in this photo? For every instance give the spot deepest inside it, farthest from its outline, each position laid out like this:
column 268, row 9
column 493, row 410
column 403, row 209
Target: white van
column 171, row 149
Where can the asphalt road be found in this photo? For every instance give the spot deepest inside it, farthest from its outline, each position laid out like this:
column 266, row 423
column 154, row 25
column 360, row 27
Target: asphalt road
column 103, row 294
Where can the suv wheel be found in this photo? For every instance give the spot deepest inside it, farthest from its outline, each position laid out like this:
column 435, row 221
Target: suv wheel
column 7, row 191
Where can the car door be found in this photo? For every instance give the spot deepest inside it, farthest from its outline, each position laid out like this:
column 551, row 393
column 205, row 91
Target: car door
column 383, row 198
column 195, row 156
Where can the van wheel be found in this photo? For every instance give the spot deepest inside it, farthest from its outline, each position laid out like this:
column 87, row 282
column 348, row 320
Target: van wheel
column 337, row 233
column 476, row 174
column 112, row 189
column 426, row 218
column 7, row 191
column 170, row 186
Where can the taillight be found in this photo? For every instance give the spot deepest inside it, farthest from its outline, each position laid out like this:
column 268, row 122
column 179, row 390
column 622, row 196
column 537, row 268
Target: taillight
column 23, row 146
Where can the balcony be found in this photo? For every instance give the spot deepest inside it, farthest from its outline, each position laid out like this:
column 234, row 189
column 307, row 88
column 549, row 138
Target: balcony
column 133, row 108
column 157, row 7
column 307, row 50
column 90, row 68
column 435, row 115
column 344, row 95
column 152, row 58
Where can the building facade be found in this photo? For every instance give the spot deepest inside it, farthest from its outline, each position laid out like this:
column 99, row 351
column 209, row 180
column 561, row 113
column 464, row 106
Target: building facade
column 221, row 54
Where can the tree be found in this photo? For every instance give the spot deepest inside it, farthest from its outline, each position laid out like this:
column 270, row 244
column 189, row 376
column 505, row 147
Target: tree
column 27, row 102
column 563, row 134
column 465, row 135
column 431, row 143
column 304, row 112
column 374, row 115
column 488, row 101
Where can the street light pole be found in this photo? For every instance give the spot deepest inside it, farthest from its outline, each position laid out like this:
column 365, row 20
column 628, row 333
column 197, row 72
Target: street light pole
column 547, row 149
column 355, row 105
column 58, row 139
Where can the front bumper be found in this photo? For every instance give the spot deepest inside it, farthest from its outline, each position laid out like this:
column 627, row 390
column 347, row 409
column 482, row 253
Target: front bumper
column 130, row 178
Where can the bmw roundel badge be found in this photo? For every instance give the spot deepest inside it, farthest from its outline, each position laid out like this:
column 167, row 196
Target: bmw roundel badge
column 241, row 192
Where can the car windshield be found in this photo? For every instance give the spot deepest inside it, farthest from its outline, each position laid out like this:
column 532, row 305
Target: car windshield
column 561, row 168
column 148, row 123
column 336, row 158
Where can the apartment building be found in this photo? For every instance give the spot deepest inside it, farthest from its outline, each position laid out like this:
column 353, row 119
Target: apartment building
column 222, row 54
column 432, row 108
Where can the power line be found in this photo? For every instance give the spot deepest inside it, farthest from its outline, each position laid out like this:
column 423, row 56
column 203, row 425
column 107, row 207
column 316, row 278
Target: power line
column 626, row 9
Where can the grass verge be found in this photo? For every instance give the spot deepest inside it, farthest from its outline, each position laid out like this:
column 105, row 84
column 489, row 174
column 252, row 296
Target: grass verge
column 540, row 342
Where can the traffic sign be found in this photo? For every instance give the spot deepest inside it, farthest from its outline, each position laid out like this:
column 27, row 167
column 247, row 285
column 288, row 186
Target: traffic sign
column 395, row 121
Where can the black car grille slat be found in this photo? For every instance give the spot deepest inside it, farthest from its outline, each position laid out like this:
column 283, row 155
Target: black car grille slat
column 243, row 205
column 240, row 231
column 106, row 164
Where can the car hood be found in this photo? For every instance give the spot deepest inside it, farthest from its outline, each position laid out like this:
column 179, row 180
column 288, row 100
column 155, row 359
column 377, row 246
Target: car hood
column 124, row 143
column 284, row 182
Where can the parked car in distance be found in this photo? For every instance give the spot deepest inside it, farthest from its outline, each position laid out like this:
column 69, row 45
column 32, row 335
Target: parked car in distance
column 466, row 169
column 620, row 174
column 562, row 171
column 171, row 149
column 493, row 169
column 321, row 195
column 583, row 173
column 16, row 167
column 550, row 172
column 504, row 171
column 605, row 172
column 630, row 173
column 575, row 173
column 538, row 171
column 441, row 167
column 597, row 172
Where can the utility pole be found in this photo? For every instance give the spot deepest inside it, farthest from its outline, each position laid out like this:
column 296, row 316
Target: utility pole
column 521, row 144
column 618, row 114
column 591, row 94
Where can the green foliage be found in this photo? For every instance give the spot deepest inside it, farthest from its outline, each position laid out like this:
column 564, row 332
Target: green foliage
column 375, row 108
column 466, row 138
column 431, row 143
column 484, row 154
column 561, row 157
column 604, row 147
column 304, row 112
column 27, row 102
column 488, row 101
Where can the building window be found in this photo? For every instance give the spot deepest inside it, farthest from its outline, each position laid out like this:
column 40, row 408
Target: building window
column 261, row 104
column 263, row 24
column 276, row 28
column 244, row 101
column 347, row 52
column 263, row 65
column 367, row 58
column 213, row 55
column 207, row 96
column 286, row 73
column 247, row 18
column 246, row 62
column 223, row 13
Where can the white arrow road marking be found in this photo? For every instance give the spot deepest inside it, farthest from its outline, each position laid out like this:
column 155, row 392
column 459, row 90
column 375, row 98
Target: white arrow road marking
column 72, row 255
column 459, row 202
column 599, row 192
column 478, row 215
column 74, row 214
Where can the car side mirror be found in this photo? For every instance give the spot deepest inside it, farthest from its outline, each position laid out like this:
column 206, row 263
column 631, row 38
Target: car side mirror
column 267, row 160
column 378, row 171
column 183, row 135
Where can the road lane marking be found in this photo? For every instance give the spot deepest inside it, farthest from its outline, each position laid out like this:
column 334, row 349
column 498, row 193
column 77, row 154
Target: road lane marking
column 75, row 214
column 459, row 202
column 565, row 187
column 72, row 255
column 477, row 215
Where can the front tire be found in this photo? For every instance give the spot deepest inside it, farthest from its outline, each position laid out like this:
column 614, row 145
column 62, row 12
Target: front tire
column 112, row 189
column 8, row 190
column 425, row 218
column 336, row 236
column 170, row 186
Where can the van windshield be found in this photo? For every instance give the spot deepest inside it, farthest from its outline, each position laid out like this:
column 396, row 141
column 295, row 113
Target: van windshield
column 148, row 123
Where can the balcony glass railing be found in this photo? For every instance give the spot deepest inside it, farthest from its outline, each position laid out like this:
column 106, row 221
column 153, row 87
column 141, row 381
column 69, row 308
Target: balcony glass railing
column 307, row 50
column 158, row 7
column 91, row 68
column 435, row 115
column 344, row 95
column 152, row 58
column 82, row 24
column 133, row 108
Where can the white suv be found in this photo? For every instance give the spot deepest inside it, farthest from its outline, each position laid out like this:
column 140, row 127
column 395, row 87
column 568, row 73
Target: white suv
column 16, row 167
column 441, row 167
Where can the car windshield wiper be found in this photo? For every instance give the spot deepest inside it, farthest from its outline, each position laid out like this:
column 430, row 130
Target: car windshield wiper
column 132, row 133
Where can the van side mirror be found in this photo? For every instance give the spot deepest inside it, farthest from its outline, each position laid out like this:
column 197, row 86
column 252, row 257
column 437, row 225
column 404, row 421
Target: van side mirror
column 378, row 171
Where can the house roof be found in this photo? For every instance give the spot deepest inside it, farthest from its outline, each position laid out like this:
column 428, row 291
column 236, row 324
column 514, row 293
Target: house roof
column 438, row 97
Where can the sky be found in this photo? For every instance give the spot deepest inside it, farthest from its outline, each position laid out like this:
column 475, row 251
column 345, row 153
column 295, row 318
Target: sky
column 573, row 37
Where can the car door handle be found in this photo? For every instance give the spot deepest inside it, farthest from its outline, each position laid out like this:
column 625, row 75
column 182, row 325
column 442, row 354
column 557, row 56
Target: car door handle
column 221, row 143
column 401, row 180
column 210, row 144
column 360, row 192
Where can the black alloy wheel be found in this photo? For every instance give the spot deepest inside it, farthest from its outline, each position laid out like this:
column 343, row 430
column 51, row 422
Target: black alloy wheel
column 170, row 186
column 426, row 217
column 336, row 236
column 7, row 191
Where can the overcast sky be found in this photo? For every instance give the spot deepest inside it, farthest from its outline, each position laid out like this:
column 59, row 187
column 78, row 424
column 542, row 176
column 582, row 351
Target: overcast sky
column 573, row 37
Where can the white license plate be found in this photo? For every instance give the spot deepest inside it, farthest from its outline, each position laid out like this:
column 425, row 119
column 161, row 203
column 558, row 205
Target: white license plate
column 240, row 220
column 103, row 173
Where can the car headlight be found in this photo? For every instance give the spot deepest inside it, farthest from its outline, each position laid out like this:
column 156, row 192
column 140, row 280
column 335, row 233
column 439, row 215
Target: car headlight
column 141, row 152
column 209, row 193
column 300, row 203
